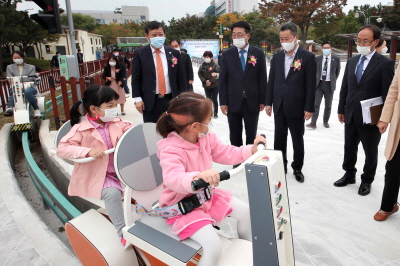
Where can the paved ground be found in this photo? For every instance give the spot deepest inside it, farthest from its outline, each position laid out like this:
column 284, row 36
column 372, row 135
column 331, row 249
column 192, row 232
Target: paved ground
column 331, row 226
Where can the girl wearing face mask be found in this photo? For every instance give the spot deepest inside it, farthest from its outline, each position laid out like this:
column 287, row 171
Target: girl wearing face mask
column 114, row 73
column 186, row 153
column 381, row 47
column 210, row 81
column 91, row 135
column 20, row 68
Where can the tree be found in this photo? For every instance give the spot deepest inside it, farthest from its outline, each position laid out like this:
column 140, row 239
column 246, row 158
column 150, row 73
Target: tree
column 303, row 13
column 391, row 15
column 260, row 28
column 111, row 32
column 227, row 20
column 82, row 22
column 191, row 27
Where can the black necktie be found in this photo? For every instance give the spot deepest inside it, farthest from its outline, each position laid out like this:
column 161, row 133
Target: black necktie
column 324, row 69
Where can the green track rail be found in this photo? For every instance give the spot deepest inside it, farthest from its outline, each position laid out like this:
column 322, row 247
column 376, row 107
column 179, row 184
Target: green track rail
column 52, row 197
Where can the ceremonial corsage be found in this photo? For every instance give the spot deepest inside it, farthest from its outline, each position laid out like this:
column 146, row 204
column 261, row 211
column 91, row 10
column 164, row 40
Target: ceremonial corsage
column 117, row 70
column 252, row 60
column 296, row 64
column 173, row 59
column 209, row 69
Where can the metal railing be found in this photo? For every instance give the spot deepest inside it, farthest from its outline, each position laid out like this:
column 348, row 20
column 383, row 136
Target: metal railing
column 51, row 196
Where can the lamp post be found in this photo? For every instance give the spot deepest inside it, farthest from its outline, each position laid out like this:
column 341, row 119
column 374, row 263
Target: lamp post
column 367, row 19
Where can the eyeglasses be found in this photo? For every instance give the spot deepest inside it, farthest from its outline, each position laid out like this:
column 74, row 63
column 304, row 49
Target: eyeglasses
column 363, row 42
column 239, row 36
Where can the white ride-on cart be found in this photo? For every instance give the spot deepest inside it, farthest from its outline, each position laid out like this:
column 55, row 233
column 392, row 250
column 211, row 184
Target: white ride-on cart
column 95, row 241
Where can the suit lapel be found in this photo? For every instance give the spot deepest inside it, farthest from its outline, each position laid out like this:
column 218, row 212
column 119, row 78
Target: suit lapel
column 371, row 65
column 149, row 53
column 236, row 58
column 297, row 56
column 169, row 62
column 352, row 69
column 333, row 66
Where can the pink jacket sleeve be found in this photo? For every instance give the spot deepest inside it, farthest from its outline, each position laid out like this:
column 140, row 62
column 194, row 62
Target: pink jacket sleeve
column 228, row 154
column 69, row 146
column 172, row 162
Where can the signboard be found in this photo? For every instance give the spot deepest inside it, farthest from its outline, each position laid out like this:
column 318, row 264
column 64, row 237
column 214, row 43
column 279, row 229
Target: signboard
column 196, row 48
column 68, row 66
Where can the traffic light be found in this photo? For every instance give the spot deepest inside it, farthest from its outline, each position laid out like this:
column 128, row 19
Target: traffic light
column 50, row 18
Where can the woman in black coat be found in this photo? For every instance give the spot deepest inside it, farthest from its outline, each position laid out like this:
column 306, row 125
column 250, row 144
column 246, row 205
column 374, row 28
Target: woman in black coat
column 114, row 74
column 210, row 82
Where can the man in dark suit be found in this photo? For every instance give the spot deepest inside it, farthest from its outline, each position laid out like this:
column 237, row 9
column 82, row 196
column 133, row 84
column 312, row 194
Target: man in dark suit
column 367, row 76
column 186, row 64
column 243, row 84
column 291, row 92
column 54, row 60
column 80, row 56
column 157, row 75
column 328, row 69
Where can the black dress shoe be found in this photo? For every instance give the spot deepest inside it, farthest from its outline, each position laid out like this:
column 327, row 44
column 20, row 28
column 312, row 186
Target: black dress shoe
column 344, row 181
column 364, row 189
column 298, row 175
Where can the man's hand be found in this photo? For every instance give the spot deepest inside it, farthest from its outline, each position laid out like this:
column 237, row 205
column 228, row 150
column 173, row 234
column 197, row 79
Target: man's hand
column 382, row 126
column 119, row 83
column 307, row 115
column 268, row 110
column 262, row 106
column 190, row 82
column 208, row 83
column 224, row 109
column 140, row 106
column 341, row 118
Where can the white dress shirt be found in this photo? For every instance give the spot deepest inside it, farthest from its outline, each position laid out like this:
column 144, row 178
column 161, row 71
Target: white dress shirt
column 328, row 69
column 165, row 62
column 366, row 61
column 289, row 60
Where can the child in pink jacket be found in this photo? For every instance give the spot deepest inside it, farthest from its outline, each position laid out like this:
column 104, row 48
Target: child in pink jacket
column 90, row 136
column 186, row 153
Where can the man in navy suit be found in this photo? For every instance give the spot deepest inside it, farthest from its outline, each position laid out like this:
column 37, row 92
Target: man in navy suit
column 243, row 84
column 157, row 74
column 291, row 92
column 186, row 62
column 367, row 76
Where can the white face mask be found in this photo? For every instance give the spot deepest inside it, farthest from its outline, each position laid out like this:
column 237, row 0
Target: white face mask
column 384, row 50
column 364, row 50
column 288, row 46
column 178, row 49
column 207, row 60
column 109, row 115
column 112, row 63
column 239, row 43
column 209, row 126
column 116, row 54
column 18, row 61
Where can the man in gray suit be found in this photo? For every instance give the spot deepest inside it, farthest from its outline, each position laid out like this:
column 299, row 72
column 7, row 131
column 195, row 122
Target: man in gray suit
column 328, row 69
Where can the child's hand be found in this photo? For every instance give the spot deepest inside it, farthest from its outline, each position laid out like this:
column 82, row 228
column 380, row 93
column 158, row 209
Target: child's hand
column 209, row 176
column 257, row 140
column 98, row 154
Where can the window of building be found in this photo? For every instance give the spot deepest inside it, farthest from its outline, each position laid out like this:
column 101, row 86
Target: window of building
column 92, row 50
column 48, row 51
column 96, row 41
column 142, row 17
column 103, row 21
column 137, row 21
column 98, row 20
column 91, row 41
column 126, row 20
column 115, row 20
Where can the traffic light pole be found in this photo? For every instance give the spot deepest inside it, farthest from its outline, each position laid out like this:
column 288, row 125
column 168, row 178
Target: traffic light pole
column 73, row 47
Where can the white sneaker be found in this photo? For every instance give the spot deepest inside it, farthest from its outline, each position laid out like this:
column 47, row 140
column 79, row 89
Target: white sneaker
column 37, row 113
column 127, row 95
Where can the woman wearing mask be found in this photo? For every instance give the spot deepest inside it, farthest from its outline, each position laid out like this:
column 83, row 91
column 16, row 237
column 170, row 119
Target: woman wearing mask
column 114, row 74
column 20, row 68
column 381, row 47
column 209, row 81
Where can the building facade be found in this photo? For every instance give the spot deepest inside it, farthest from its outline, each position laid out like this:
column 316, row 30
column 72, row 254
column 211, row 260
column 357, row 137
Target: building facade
column 220, row 7
column 89, row 43
column 125, row 14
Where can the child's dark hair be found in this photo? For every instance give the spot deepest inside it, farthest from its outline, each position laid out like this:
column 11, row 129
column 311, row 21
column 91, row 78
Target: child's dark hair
column 184, row 110
column 93, row 95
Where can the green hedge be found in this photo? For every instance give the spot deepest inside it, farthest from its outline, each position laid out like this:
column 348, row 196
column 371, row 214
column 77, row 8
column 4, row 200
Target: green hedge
column 40, row 63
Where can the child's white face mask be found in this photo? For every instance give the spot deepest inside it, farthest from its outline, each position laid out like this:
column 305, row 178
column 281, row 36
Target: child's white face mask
column 109, row 115
column 209, row 126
